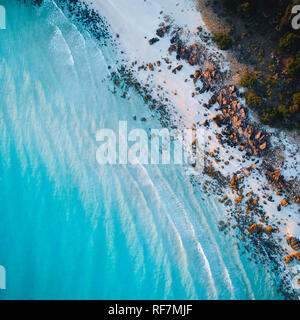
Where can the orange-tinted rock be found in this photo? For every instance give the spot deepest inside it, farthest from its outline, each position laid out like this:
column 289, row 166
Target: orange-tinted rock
column 288, row 259
column 263, row 146
column 243, row 114
column 258, row 135
column 293, row 242
column 297, row 256
column 220, row 99
column 151, row 67
column 284, row 203
column 256, row 228
column 269, row 229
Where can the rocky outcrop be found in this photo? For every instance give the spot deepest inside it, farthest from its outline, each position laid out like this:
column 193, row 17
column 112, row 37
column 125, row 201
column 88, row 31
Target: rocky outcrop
column 297, row 256
column 290, row 258
column 275, row 178
column 294, row 243
column 284, row 203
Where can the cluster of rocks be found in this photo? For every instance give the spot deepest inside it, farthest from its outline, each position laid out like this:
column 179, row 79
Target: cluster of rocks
column 275, row 178
column 210, row 78
column 259, row 228
column 210, row 170
column 290, row 258
column 234, row 116
column 161, row 32
column 251, row 138
column 124, row 79
column 178, row 68
column 191, row 53
column 239, row 131
column 83, row 15
column 294, row 243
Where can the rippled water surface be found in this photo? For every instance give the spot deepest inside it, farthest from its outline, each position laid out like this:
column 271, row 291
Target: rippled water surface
column 72, row 229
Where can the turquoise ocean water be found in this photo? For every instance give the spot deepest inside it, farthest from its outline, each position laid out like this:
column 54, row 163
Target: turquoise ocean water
column 72, row 229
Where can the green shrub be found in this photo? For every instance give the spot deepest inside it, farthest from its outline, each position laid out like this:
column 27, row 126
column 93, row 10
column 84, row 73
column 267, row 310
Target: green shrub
column 293, row 66
column 289, row 42
column 223, row 41
column 271, row 116
column 248, row 81
column 296, row 99
column 253, row 100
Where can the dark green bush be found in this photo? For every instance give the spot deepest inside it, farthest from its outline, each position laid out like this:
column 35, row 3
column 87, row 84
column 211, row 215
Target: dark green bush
column 248, row 81
column 293, row 66
column 296, row 99
column 253, row 100
column 223, row 41
column 289, row 43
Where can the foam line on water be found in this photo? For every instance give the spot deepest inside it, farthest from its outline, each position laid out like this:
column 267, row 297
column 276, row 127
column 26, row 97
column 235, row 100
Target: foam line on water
column 162, row 222
column 240, row 265
column 179, row 222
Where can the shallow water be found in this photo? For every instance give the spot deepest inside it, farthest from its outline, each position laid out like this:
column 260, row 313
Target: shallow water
column 72, row 229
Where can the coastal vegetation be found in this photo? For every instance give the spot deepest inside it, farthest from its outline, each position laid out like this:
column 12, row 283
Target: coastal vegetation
column 262, row 38
column 223, row 40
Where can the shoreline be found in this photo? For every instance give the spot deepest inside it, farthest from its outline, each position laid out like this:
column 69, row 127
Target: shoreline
column 214, row 25
column 231, row 174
